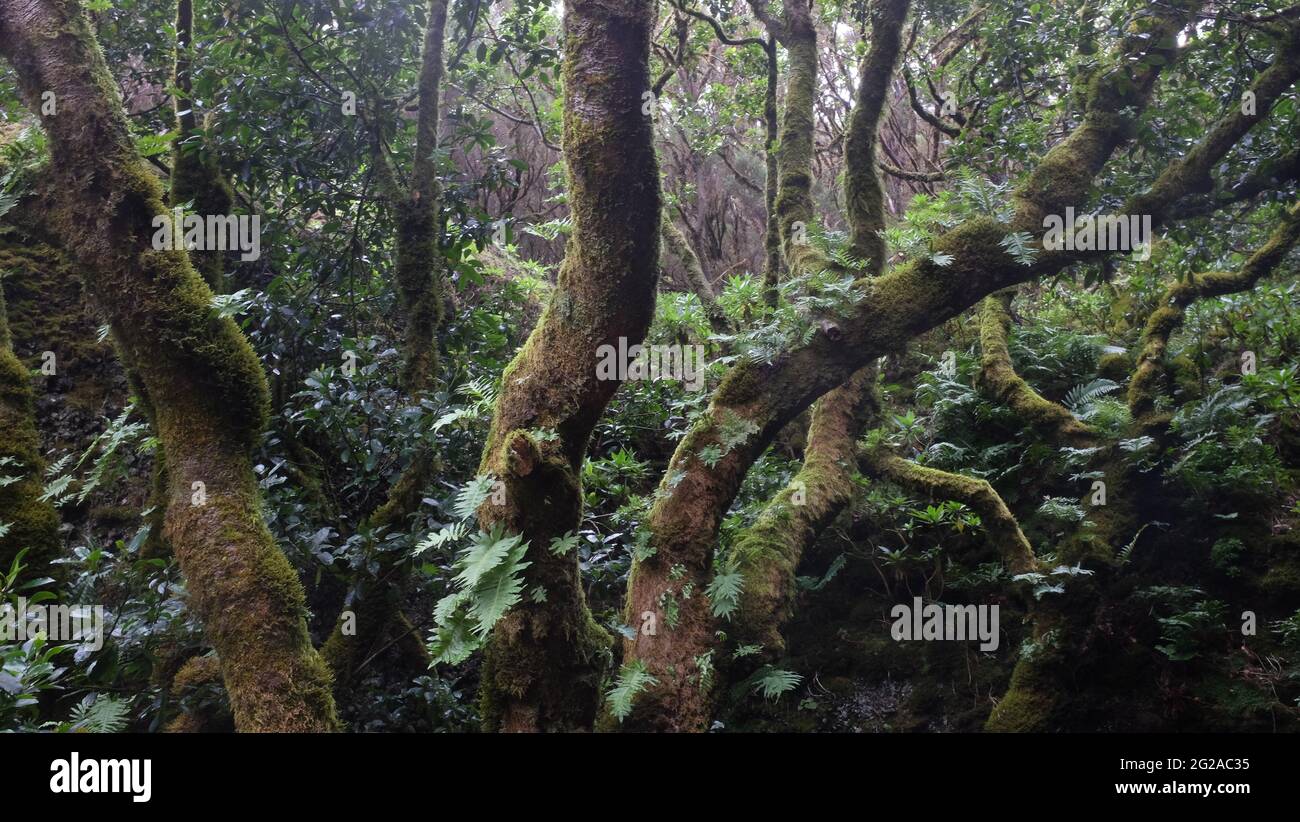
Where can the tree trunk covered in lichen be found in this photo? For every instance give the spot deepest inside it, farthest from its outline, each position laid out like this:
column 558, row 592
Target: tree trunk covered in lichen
column 756, row 400
column 544, row 661
column 207, row 386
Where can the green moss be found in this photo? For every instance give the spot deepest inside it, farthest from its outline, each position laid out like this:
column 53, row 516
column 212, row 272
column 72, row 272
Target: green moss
column 863, row 192
column 1115, row 366
column 32, row 524
column 999, row 523
column 1021, row 711
column 742, row 385
column 420, row 284
column 1145, row 387
column 200, row 374
column 1000, row 381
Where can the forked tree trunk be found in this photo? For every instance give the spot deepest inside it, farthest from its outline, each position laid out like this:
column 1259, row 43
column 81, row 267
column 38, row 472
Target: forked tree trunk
column 757, row 399
column 768, row 553
column 207, row 386
column 544, row 661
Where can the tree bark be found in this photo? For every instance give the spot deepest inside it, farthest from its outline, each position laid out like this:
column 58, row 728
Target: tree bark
column 863, row 194
column 757, row 399
column 377, row 621
column 28, row 522
column 203, row 377
column 768, row 552
column 998, row 379
column 1144, row 386
column 544, row 660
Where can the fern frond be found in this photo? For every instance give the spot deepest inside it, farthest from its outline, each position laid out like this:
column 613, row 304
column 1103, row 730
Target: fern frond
column 472, row 495
column 1081, row 396
column 633, row 678
column 772, row 682
column 100, row 714
column 724, row 592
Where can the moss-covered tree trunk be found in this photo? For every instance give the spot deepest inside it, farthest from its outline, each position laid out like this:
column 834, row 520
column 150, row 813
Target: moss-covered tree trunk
column 999, row 380
column 206, row 383
column 1144, row 387
column 545, row 659
column 863, row 194
column 794, row 152
column 757, row 399
column 196, row 179
column 768, row 552
column 25, row 521
column 772, row 235
column 418, row 267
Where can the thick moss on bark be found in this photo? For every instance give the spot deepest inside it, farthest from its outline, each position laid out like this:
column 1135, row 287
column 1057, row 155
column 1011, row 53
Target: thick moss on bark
column 32, row 524
column 1029, row 704
column 863, row 193
column 768, row 552
column 998, row 379
column 545, row 659
column 1145, row 386
column 771, row 125
column 1191, row 173
column 907, row 301
column 999, row 523
column 794, row 153
column 1116, row 97
column 202, row 376
column 418, row 268
column 199, row 674
column 419, row 282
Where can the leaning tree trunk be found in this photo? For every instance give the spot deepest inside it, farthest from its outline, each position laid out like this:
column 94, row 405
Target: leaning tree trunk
column 207, row 386
column 756, row 400
column 768, row 553
column 544, row 660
